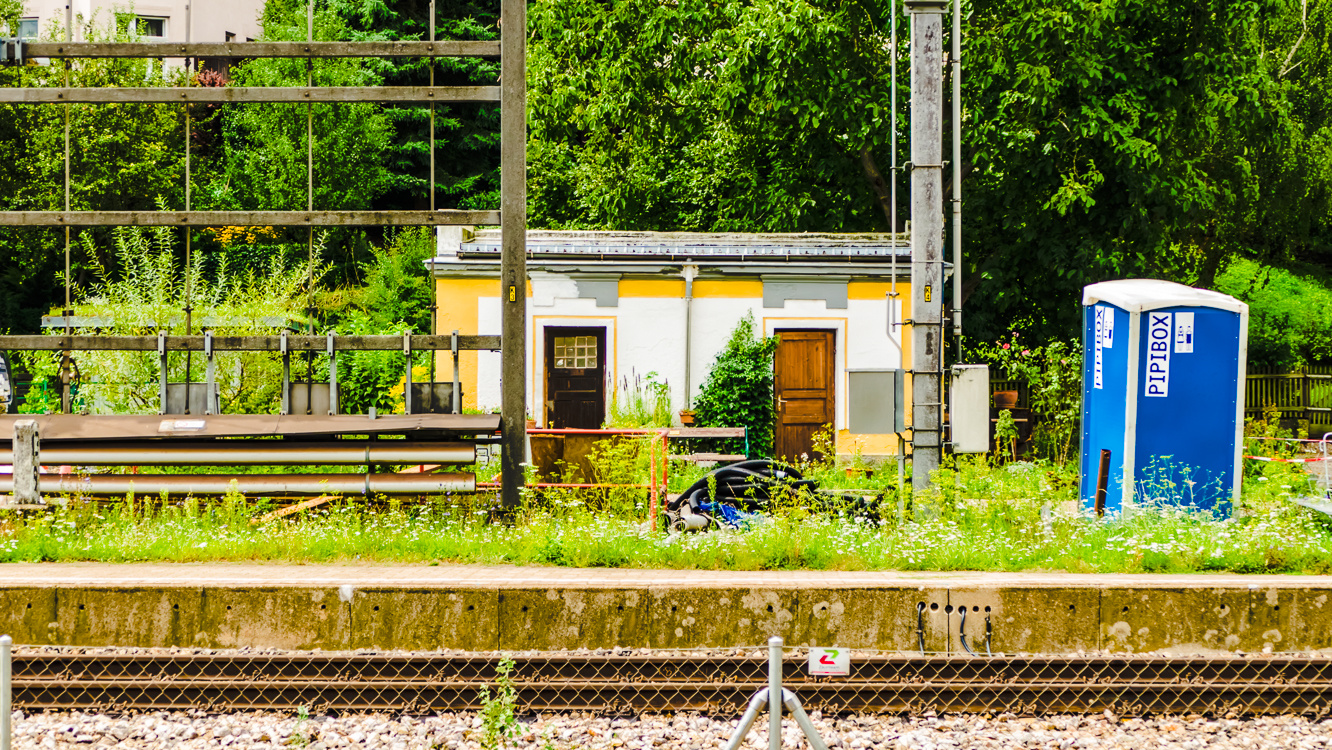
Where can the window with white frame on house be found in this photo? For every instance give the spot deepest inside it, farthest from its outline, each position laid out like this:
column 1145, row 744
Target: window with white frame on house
column 576, row 352
column 151, row 26
column 28, row 28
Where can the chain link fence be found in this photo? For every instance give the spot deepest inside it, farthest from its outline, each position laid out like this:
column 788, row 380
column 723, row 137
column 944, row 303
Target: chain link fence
column 716, row 682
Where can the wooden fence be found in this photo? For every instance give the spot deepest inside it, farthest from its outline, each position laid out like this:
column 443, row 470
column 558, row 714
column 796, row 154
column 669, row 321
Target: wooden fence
column 1303, row 394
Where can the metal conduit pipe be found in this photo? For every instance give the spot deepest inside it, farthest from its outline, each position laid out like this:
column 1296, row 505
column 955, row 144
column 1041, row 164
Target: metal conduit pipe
column 252, row 484
column 689, row 272
column 248, row 452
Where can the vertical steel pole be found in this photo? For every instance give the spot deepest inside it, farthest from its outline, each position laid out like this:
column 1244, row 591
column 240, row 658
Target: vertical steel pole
column 65, row 385
column 1102, row 480
column 434, row 283
column 652, row 483
column 513, row 258
column 456, row 406
column 892, row 169
column 309, row 195
column 6, row 691
column 956, row 65
column 189, row 260
column 432, row 108
column 775, row 693
column 690, row 272
column 893, row 319
column 926, row 237
column 407, row 381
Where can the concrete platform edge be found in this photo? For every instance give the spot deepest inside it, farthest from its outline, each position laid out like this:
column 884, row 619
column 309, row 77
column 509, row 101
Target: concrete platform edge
column 1116, row 614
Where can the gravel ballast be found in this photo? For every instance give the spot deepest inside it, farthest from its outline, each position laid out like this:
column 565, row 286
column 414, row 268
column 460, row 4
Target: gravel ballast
column 660, row 732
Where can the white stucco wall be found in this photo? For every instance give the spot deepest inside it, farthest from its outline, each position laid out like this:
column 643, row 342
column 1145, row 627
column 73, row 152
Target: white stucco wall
column 647, row 334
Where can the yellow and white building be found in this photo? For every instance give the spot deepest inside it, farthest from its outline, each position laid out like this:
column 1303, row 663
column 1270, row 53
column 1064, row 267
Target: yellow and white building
column 606, row 307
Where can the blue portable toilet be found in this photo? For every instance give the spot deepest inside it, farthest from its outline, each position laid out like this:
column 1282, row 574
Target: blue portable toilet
column 1163, row 390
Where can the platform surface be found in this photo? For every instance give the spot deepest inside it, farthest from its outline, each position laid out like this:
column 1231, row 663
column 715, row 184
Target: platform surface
column 103, row 575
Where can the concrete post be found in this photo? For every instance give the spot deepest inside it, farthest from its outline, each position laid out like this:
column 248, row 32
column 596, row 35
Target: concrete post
column 27, row 488
column 927, row 225
column 6, row 691
column 513, row 249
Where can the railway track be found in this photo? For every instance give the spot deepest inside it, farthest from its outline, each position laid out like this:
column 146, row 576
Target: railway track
column 425, row 683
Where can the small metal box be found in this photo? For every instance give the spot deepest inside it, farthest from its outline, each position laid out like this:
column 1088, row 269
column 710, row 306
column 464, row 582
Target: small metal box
column 874, row 398
column 311, row 396
column 433, row 398
column 201, row 402
column 969, row 408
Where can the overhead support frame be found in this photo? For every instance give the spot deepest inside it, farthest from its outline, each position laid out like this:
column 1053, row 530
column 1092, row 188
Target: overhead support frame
column 512, row 218
column 443, row 217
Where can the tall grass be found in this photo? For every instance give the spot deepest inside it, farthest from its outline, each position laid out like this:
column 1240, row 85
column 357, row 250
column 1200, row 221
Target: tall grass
column 1021, row 516
column 640, row 401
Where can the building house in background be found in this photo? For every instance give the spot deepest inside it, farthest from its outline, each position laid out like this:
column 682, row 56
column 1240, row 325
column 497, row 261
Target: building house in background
column 159, row 20
column 604, row 307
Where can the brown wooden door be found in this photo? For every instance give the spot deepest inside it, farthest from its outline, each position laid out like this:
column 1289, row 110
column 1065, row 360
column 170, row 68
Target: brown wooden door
column 575, row 377
column 805, row 388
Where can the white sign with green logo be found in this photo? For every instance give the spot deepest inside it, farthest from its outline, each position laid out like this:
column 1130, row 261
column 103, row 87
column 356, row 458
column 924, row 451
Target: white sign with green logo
column 829, row 662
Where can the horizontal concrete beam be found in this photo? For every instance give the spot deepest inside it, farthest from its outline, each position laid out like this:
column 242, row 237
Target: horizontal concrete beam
column 1021, row 619
column 52, row 343
column 250, row 94
column 445, row 217
column 447, row 48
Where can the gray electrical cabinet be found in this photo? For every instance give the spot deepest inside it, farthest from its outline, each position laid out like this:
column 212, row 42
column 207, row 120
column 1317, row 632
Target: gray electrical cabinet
column 200, row 400
column 969, row 408
column 874, row 398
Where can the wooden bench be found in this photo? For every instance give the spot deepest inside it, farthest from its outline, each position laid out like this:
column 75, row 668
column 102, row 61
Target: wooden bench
column 707, row 459
column 710, row 459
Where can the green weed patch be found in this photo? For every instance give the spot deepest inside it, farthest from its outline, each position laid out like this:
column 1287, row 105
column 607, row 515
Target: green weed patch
column 1020, row 516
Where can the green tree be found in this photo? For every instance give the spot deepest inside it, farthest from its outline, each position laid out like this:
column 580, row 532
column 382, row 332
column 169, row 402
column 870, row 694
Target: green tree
column 266, row 147
column 748, row 115
column 1114, row 139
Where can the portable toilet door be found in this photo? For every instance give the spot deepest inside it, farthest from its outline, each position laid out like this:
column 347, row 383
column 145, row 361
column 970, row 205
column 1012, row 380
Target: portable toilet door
column 1163, row 390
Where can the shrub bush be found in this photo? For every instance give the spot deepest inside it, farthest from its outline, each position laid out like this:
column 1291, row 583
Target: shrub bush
column 738, row 389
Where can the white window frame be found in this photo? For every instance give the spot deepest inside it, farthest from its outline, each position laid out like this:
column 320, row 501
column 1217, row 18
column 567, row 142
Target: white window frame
column 165, row 26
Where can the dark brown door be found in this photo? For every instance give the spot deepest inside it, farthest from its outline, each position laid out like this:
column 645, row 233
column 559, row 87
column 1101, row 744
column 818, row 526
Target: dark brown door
column 805, row 387
column 575, row 377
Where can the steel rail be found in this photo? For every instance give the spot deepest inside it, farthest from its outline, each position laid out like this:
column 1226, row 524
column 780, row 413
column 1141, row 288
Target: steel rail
column 244, row 343
column 446, row 48
column 281, row 485
column 248, row 94
column 404, row 218
column 247, row 452
column 423, row 683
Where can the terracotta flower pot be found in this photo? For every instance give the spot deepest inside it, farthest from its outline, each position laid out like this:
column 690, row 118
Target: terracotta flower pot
column 1005, row 399
column 686, row 417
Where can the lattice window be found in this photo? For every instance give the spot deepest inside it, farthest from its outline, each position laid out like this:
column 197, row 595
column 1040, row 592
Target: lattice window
column 576, row 352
